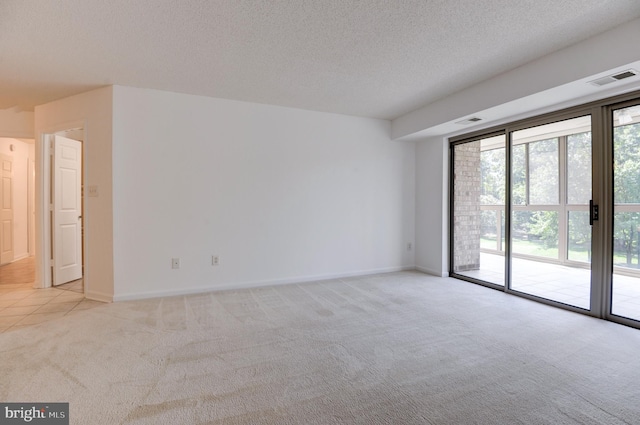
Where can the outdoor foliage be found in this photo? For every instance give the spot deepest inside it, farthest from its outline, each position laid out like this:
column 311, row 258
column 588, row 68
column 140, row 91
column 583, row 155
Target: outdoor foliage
column 626, row 189
column 492, row 172
column 540, row 186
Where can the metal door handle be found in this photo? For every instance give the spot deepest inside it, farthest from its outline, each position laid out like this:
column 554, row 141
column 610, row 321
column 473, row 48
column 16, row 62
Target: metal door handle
column 593, row 212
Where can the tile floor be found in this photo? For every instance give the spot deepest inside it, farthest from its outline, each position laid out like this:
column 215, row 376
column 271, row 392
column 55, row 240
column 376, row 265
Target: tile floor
column 21, row 305
column 569, row 285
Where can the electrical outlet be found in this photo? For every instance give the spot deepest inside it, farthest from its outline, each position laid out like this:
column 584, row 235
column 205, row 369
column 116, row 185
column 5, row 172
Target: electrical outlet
column 175, row 263
column 409, row 246
column 215, row 260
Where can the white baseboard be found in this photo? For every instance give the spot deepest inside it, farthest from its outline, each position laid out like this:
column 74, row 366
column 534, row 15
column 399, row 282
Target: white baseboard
column 431, row 271
column 252, row 284
column 20, row 257
column 98, row 296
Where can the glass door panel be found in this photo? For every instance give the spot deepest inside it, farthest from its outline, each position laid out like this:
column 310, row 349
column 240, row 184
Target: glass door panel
column 550, row 193
column 625, row 289
column 535, row 233
column 579, row 178
column 479, row 181
column 579, row 246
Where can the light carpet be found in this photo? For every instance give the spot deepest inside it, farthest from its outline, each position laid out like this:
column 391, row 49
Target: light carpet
column 399, row 348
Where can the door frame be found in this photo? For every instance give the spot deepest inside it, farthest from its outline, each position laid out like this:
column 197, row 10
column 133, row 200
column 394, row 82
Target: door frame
column 43, row 191
column 609, row 210
column 31, row 205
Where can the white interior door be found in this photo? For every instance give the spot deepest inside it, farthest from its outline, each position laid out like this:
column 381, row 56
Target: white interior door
column 6, row 210
column 67, row 210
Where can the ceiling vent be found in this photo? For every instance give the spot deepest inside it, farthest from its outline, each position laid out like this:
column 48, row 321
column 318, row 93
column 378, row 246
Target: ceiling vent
column 613, row 78
column 469, row 121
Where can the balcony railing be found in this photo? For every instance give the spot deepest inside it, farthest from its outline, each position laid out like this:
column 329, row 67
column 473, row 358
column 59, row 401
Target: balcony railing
column 561, row 234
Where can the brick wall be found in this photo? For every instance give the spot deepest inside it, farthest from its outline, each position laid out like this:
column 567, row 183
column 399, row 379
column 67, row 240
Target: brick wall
column 466, row 207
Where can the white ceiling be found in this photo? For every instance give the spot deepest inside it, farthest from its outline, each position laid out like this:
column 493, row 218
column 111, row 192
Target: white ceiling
column 376, row 58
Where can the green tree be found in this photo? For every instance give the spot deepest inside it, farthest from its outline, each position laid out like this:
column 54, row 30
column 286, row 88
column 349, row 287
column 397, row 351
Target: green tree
column 579, row 167
column 492, row 172
column 626, row 188
column 518, row 175
column 544, row 224
column 544, row 172
column 544, row 189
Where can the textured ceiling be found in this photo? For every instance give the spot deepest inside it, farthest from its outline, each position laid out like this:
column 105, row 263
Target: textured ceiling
column 376, row 58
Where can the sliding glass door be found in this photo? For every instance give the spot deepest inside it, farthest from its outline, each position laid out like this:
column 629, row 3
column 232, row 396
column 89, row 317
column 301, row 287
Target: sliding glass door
column 549, row 208
column 478, row 195
column 625, row 288
column 551, row 182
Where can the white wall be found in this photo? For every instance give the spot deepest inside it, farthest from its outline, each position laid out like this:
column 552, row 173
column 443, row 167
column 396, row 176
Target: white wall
column 93, row 112
column 280, row 194
column 20, row 157
column 432, row 206
column 18, row 124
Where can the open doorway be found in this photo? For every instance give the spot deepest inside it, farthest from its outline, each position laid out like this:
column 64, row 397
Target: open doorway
column 62, row 208
column 17, row 224
column 30, row 290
